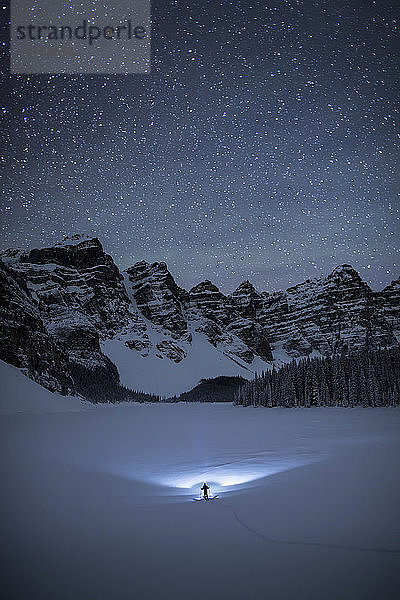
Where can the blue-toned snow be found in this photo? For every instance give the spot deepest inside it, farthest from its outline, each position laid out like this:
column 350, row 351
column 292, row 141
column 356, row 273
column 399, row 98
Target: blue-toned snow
column 97, row 502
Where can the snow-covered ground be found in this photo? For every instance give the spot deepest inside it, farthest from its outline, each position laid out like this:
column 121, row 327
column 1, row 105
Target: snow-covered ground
column 19, row 394
column 97, row 504
column 161, row 376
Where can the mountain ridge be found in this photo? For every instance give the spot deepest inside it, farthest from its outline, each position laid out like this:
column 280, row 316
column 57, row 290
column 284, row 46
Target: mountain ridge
column 140, row 328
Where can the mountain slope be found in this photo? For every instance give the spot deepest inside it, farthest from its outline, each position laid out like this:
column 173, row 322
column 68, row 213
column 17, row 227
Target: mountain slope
column 69, row 316
column 325, row 315
column 22, row 395
column 24, row 340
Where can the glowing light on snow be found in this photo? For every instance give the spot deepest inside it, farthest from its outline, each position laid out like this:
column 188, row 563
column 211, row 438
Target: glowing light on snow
column 186, row 479
column 234, row 475
column 223, row 479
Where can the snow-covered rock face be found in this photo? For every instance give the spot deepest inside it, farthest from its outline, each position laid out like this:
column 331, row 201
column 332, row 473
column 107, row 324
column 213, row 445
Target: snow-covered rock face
column 78, row 290
column 81, row 277
column 77, row 309
column 324, row 315
column 218, row 318
column 24, row 341
column 158, row 297
column 389, row 306
column 247, row 300
column 79, row 296
column 203, row 310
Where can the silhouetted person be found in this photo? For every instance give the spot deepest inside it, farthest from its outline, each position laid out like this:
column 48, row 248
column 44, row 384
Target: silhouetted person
column 204, row 488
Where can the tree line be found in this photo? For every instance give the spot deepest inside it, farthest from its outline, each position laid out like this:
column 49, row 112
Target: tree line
column 364, row 379
column 101, row 385
column 213, row 389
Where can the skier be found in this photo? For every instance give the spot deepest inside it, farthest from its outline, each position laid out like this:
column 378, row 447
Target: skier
column 205, row 489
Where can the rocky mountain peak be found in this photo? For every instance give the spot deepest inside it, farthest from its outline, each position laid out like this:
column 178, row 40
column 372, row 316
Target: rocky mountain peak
column 76, row 254
column 245, row 288
column 157, row 296
column 77, row 238
column 393, row 286
column 247, row 300
column 24, row 340
column 155, row 274
column 225, row 324
column 205, row 287
column 328, row 315
column 76, row 303
column 206, row 297
column 389, row 306
column 345, row 273
column 11, row 253
column 79, row 293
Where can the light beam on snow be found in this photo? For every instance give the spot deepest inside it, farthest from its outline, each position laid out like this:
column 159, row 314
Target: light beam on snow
column 227, row 477
column 186, row 478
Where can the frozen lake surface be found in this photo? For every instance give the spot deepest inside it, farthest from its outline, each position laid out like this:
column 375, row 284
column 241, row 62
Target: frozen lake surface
column 97, row 503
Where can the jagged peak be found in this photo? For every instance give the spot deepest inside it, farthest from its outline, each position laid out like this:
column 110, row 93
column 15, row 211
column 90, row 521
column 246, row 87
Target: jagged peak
column 138, row 267
column 74, row 243
column 75, row 252
column 159, row 266
column 394, row 285
column 76, row 239
column 204, row 286
column 246, row 287
column 143, row 265
column 345, row 273
column 11, row 254
column 345, row 269
column 155, row 275
column 139, row 263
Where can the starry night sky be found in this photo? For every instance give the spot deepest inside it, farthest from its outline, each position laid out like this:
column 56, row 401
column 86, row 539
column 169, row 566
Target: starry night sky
column 263, row 145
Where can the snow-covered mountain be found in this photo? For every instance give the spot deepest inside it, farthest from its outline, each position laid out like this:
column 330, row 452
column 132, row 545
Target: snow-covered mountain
column 67, row 309
column 325, row 315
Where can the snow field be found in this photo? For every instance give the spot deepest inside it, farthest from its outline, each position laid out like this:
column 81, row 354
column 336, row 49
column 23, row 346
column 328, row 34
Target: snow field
column 97, row 503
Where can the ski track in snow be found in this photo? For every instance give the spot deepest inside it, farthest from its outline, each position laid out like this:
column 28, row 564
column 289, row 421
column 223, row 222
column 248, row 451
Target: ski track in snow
column 303, row 543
